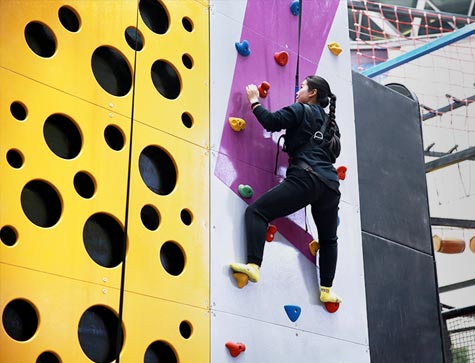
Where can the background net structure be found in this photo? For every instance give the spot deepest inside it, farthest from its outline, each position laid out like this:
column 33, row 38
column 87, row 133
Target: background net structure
column 460, row 325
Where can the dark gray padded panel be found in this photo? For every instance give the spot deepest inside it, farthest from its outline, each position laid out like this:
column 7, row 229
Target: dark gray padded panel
column 401, row 296
column 393, row 191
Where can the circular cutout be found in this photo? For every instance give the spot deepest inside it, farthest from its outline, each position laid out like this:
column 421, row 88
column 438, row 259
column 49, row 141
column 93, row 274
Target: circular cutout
column 157, row 170
column 111, row 71
column 165, row 79
column 84, row 185
column 186, row 216
column 20, row 320
column 103, row 238
column 160, row 352
column 69, row 18
column 187, row 24
column 134, row 38
column 172, row 258
column 187, row 61
column 186, row 329
column 154, row 15
column 187, row 119
column 98, row 330
column 114, row 137
column 48, row 357
column 15, row 158
column 40, row 38
column 41, row 203
column 62, row 136
column 8, row 235
column 18, row 110
column 150, row 217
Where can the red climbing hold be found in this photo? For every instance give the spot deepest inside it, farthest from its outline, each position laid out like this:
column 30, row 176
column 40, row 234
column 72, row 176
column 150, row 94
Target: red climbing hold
column 271, row 231
column 281, row 58
column 235, row 348
column 341, row 170
column 263, row 89
column 332, row 306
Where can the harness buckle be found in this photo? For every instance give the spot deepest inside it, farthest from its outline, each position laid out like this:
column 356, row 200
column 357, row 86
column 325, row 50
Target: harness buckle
column 318, row 135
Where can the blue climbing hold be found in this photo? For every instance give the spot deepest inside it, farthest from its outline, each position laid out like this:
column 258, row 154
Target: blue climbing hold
column 338, row 220
column 295, row 7
column 243, row 48
column 293, row 312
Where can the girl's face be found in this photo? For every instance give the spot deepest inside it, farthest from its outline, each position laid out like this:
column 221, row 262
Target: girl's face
column 304, row 95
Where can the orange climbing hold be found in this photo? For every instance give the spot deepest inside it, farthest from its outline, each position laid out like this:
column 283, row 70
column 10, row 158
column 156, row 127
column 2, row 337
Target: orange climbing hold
column 281, row 58
column 335, row 48
column 263, row 89
column 235, row 348
column 313, row 246
column 241, row 279
column 341, row 171
column 448, row 245
column 271, row 231
column 237, row 124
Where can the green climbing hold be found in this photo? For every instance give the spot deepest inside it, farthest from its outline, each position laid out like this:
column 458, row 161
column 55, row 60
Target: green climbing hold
column 245, row 191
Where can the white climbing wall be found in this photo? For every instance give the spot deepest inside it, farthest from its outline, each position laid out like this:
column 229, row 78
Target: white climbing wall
column 255, row 315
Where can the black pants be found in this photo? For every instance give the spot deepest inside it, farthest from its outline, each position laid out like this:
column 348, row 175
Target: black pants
column 299, row 189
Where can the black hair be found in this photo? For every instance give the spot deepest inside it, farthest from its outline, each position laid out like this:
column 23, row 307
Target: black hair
column 324, row 94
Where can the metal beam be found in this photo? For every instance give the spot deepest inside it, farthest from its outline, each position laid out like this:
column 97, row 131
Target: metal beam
column 402, row 10
column 441, row 42
column 457, row 286
column 450, row 222
column 450, row 159
column 451, row 106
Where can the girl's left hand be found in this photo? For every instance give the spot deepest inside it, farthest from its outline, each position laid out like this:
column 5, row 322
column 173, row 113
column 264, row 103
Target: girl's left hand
column 252, row 93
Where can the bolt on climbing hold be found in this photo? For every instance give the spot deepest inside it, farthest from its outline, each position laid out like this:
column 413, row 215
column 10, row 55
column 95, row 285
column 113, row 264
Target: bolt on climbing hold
column 341, row 171
column 235, row 348
column 295, row 7
column 293, row 312
column 281, row 58
column 243, row 48
column 237, row 124
column 241, row 279
column 271, row 231
column 245, row 191
column 335, row 48
column 263, row 89
column 313, row 246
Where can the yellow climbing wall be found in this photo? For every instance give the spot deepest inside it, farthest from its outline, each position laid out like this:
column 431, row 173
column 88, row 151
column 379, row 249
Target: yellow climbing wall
column 104, row 130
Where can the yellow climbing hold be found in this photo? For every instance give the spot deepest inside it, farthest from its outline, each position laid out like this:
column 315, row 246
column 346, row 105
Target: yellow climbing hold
column 237, row 124
column 314, row 246
column 335, row 48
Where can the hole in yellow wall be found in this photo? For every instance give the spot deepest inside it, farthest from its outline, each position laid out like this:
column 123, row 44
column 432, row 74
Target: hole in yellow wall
column 160, row 352
column 154, row 15
column 48, row 357
column 103, row 239
column 62, row 136
column 114, row 137
column 165, row 79
column 187, row 24
column 41, row 203
column 186, row 329
column 98, row 333
column 84, row 184
column 40, row 38
column 69, row 18
column 111, row 70
column 187, row 61
column 15, row 158
column 172, row 258
column 134, row 38
column 150, row 217
column 18, row 110
column 157, row 170
column 187, row 119
column 8, row 235
column 186, row 216
column 20, row 320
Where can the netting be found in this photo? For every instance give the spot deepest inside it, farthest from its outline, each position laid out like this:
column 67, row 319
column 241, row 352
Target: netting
column 461, row 332
column 443, row 81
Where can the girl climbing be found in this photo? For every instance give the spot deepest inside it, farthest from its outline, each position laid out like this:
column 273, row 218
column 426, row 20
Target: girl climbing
column 310, row 178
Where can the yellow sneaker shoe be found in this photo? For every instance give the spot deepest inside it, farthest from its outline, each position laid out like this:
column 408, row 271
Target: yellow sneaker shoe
column 250, row 269
column 327, row 296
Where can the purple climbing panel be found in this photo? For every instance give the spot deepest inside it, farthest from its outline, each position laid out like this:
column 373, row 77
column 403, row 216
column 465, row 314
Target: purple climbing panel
column 248, row 157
